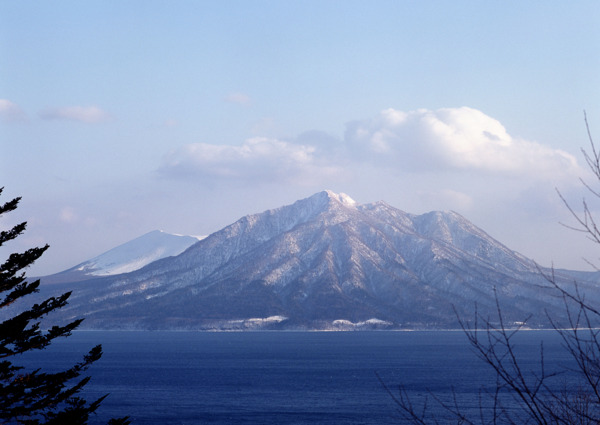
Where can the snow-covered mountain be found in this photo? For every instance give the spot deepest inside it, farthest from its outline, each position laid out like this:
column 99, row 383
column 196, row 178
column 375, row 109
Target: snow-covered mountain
column 128, row 257
column 325, row 262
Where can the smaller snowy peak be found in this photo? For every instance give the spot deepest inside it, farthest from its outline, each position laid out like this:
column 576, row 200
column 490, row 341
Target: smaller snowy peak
column 136, row 254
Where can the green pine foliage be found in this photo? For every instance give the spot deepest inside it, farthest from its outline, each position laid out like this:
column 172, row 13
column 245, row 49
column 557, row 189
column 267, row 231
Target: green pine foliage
column 33, row 397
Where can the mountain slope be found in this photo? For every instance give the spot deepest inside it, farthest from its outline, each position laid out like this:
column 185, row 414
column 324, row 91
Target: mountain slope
column 324, row 262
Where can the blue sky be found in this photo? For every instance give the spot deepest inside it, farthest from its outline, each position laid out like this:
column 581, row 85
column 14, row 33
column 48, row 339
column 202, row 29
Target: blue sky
column 117, row 118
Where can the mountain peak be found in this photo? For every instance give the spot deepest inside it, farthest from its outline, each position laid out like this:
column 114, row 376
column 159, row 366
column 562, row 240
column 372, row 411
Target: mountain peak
column 340, row 197
column 325, row 197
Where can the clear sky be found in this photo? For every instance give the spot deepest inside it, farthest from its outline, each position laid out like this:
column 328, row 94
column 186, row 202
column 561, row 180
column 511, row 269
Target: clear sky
column 121, row 117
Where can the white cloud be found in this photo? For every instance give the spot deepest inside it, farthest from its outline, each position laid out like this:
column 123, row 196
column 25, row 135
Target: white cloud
column 418, row 145
column 85, row 114
column 10, row 111
column 453, row 138
column 258, row 158
column 68, row 215
column 239, row 98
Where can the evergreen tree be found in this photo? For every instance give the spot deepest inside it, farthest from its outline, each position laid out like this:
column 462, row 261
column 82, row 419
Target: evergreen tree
column 34, row 397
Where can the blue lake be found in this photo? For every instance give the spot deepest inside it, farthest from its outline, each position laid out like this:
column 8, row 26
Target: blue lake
column 280, row 377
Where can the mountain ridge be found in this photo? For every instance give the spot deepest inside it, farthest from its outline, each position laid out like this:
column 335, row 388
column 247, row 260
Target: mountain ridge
column 324, row 262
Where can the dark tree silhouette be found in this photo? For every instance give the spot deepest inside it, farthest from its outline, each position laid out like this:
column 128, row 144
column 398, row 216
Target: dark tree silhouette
column 34, row 397
column 522, row 395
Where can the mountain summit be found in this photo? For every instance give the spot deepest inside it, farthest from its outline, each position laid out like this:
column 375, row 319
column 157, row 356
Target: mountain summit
column 324, row 262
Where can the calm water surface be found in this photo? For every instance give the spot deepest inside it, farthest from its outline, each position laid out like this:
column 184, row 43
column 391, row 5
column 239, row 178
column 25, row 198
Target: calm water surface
column 279, row 377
